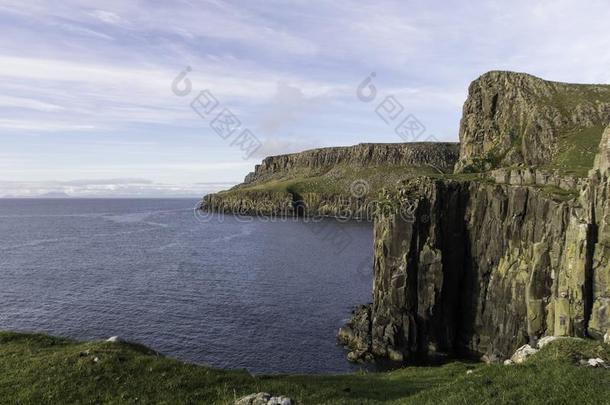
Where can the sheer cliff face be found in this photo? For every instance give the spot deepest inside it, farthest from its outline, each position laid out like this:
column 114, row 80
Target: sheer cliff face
column 488, row 265
column 513, row 119
column 484, row 268
column 599, row 194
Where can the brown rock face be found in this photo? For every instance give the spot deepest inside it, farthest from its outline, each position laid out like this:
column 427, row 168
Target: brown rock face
column 514, row 119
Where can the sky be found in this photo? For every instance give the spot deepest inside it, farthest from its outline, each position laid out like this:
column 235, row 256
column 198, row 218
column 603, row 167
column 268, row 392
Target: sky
column 93, row 103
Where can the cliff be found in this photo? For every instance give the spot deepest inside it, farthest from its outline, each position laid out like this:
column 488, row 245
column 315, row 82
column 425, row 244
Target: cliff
column 438, row 156
column 513, row 119
column 488, row 265
column 339, row 181
column 510, row 247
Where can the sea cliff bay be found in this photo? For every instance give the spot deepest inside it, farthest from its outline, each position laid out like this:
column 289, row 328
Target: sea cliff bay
column 488, row 279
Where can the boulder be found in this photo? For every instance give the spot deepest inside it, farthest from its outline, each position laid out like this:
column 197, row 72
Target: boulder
column 522, row 354
column 114, row 339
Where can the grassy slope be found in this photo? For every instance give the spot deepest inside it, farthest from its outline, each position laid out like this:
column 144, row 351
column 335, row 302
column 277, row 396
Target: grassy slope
column 577, row 151
column 577, row 146
column 336, row 181
column 43, row 369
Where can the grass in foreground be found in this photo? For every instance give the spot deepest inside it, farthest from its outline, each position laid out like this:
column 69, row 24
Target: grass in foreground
column 42, row 369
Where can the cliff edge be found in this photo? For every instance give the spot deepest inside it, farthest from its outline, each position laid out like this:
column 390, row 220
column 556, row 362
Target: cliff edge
column 488, row 265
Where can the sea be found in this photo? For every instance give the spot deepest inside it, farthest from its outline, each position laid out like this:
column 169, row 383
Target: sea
column 235, row 292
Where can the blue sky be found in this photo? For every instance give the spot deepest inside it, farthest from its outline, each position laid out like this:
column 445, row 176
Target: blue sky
column 86, row 101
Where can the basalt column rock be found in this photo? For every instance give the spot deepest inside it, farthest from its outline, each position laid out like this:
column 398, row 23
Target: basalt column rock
column 599, row 193
column 482, row 268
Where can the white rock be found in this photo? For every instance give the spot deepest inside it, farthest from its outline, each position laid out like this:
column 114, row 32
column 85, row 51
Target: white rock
column 546, row 340
column 279, row 401
column 508, row 362
column 607, row 337
column 595, row 362
column 523, row 353
column 263, row 398
column 95, row 360
column 254, row 399
column 469, row 371
column 114, row 339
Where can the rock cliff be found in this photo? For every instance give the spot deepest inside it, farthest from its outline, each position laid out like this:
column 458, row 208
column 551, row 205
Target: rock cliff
column 438, row 156
column 512, row 246
column 488, row 265
column 339, row 181
column 514, row 119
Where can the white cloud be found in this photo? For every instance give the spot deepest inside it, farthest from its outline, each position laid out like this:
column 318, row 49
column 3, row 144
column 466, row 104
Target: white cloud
column 278, row 146
column 107, row 16
column 106, row 188
column 43, row 126
column 28, row 103
column 104, row 68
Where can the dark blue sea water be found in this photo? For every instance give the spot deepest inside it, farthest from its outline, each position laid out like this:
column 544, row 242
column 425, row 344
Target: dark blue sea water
column 230, row 292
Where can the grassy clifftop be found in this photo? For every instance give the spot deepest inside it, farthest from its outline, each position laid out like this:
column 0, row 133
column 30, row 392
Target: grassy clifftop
column 46, row 370
column 512, row 119
column 330, row 179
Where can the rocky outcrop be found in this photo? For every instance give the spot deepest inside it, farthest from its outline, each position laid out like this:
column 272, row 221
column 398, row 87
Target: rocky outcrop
column 271, row 203
column 487, row 266
column 439, row 156
column 518, row 119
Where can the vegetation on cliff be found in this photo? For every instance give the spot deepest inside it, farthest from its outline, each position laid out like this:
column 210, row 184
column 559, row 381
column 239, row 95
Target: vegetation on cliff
column 41, row 369
column 330, row 180
column 516, row 119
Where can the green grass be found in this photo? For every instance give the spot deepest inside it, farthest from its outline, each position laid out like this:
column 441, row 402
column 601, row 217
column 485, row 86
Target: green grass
column 336, row 181
column 577, row 150
column 558, row 194
column 577, row 147
column 45, row 370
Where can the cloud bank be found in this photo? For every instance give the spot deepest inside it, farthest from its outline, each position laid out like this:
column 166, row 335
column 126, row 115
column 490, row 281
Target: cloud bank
column 85, row 85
